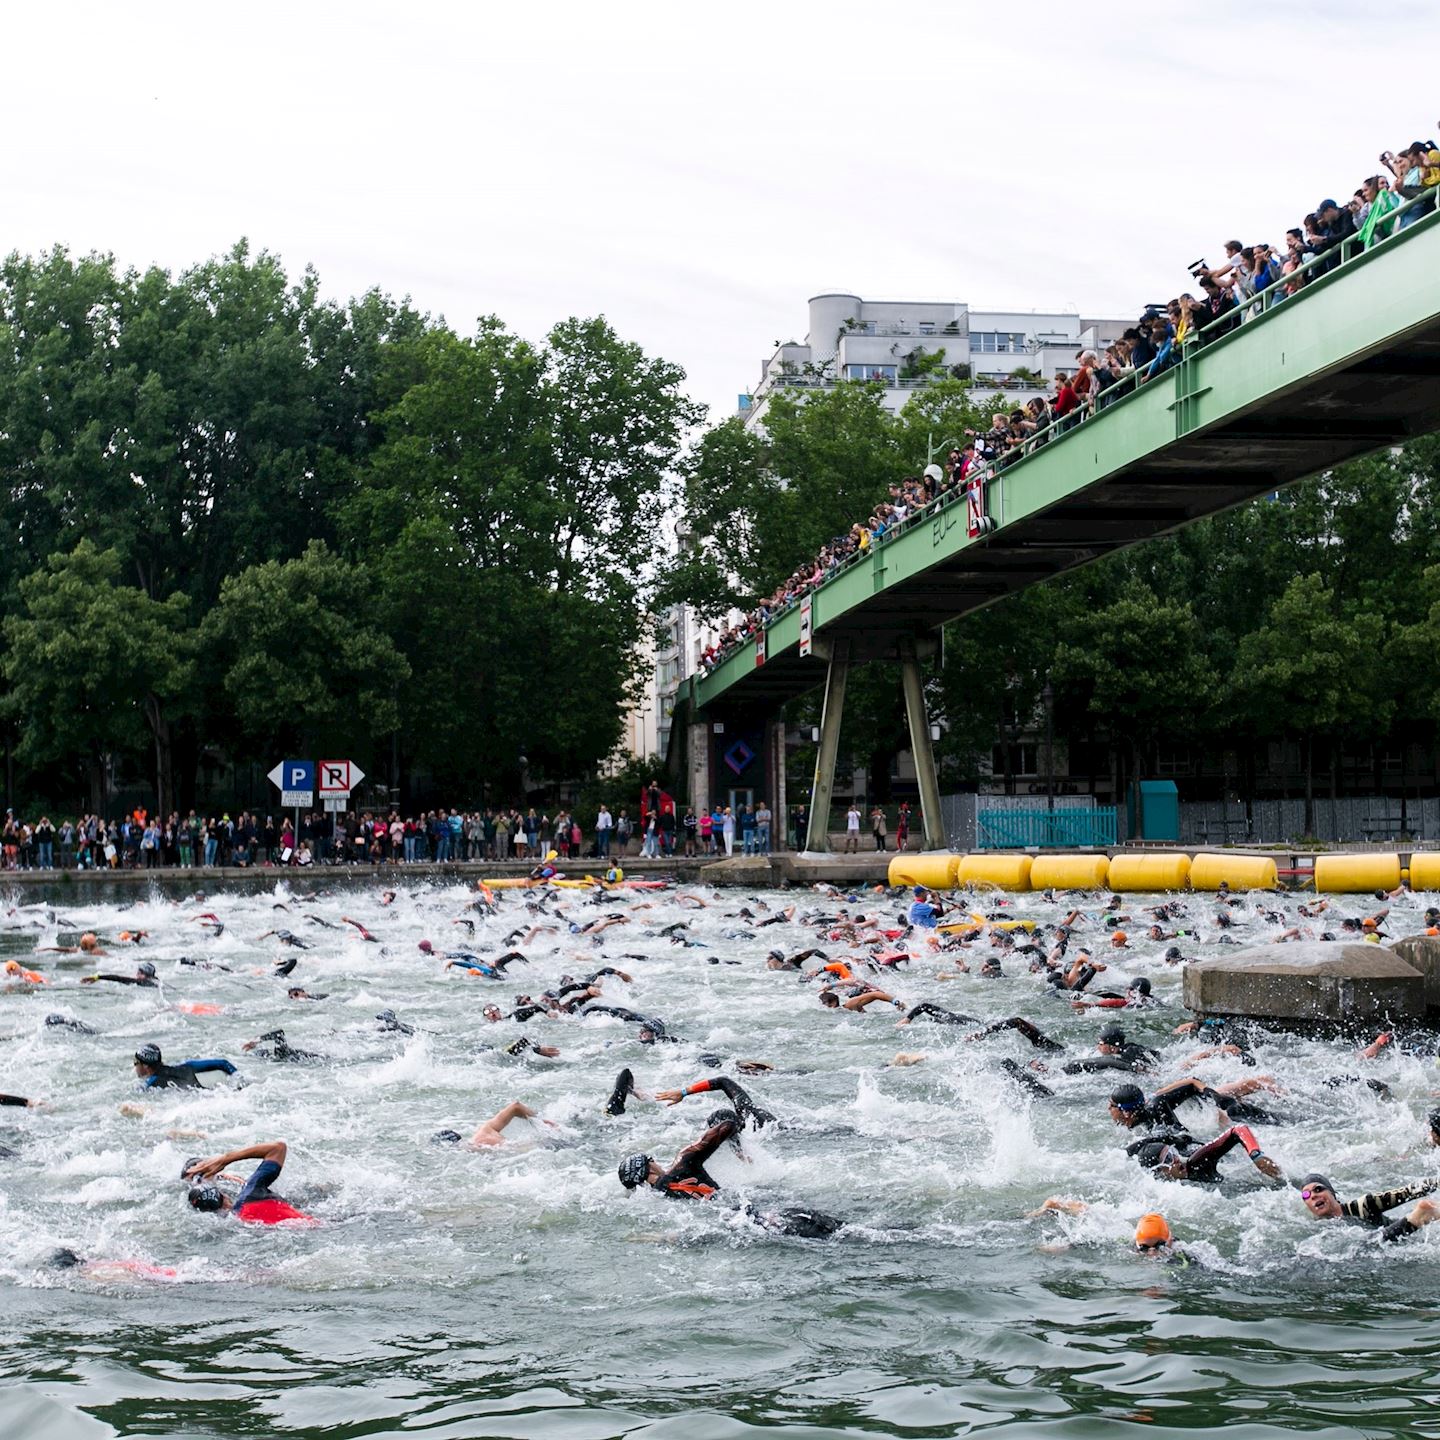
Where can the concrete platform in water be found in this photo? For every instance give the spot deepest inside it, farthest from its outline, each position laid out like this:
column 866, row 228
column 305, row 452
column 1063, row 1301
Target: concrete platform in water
column 1310, row 984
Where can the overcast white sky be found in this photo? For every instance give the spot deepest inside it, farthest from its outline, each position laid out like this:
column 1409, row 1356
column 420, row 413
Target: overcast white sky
column 696, row 171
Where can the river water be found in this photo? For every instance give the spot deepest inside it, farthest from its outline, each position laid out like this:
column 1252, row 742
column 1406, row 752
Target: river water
column 522, row 1292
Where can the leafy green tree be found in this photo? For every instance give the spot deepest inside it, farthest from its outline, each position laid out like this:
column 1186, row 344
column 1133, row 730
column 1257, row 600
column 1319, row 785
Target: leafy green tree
column 1304, row 673
column 92, row 663
column 303, row 664
column 1141, row 663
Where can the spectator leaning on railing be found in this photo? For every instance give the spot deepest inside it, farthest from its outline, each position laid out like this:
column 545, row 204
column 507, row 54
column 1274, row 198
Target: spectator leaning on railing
column 1252, row 278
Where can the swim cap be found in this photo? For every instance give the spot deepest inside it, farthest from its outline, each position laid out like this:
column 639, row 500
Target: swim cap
column 189, row 1165
column 1127, row 1097
column 712, row 1060
column 206, row 1197
column 1152, row 1232
column 64, row 1259
column 146, row 969
column 1316, row 1181
column 1173, row 953
column 445, row 1137
column 776, row 955
column 1112, row 1035
column 148, row 1055
column 89, row 940
column 386, row 1015
column 921, row 892
column 1119, row 938
column 721, row 1117
column 426, row 947
column 634, row 1170
column 1141, row 986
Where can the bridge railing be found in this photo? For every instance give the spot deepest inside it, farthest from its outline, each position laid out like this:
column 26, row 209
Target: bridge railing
column 1322, row 267
column 1044, row 829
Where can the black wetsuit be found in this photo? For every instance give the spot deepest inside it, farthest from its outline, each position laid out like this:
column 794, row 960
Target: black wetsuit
column 1031, row 1032
column 1160, row 1108
column 146, row 980
column 279, row 1048
column 939, row 1015
column 1024, row 1078
column 688, row 1178
column 63, row 1022
column 1370, row 1209
column 19, row 1100
column 655, row 1027
column 1200, row 1162
column 184, row 1075
column 738, row 1096
column 1129, row 1057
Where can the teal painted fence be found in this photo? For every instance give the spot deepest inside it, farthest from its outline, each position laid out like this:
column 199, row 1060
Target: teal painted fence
column 1044, row 829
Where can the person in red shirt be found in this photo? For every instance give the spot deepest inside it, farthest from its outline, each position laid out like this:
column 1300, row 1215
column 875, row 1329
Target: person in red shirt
column 255, row 1203
column 1066, row 401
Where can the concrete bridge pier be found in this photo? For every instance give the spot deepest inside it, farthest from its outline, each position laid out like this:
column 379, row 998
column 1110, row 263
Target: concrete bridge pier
column 817, row 833
column 921, row 750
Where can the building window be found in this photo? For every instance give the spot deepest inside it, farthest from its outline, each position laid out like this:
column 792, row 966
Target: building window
column 997, row 342
column 927, row 327
column 885, row 373
column 1173, row 762
column 1024, row 760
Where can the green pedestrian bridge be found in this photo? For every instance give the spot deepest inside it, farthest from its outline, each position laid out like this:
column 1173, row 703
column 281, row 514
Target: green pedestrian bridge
column 1348, row 364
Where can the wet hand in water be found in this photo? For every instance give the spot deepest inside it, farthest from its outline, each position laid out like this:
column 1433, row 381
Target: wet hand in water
column 670, row 1097
column 205, row 1169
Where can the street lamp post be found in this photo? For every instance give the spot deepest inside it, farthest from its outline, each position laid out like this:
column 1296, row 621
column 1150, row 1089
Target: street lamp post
column 1047, row 699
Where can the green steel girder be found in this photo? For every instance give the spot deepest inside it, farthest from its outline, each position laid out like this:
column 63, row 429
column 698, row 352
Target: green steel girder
column 1346, row 367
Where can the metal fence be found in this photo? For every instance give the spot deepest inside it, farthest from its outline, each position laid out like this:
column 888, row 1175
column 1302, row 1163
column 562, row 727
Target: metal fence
column 974, row 822
column 1363, row 818
column 1044, row 829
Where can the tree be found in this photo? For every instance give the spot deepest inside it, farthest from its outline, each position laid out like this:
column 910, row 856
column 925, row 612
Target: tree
column 91, row 663
column 1142, row 664
column 507, row 517
column 1302, row 673
column 302, row 663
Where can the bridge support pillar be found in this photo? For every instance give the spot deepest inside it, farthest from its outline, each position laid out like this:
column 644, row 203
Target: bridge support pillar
column 817, row 834
column 921, row 750
column 699, row 747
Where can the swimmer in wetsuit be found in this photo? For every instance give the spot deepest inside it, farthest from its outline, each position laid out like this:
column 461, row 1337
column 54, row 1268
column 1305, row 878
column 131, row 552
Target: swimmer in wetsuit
column 273, row 1045
column 737, row 1095
column 687, row 1178
column 144, row 976
column 256, row 1203
column 1018, row 1023
column 1321, row 1201
column 651, row 1031
column 64, row 1022
column 1177, row 1157
column 937, row 1013
column 1115, row 1053
column 1130, row 1108
column 154, row 1074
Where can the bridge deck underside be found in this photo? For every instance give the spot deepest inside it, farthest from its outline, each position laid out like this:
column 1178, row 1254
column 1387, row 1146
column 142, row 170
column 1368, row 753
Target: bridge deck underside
column 1383, row 399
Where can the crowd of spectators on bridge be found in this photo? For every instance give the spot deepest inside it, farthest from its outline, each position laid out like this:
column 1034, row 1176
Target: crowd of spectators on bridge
column 1250, row 280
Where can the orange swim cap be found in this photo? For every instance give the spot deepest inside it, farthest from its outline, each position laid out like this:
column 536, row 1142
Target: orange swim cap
column 1119, row 938
column 1152, row 1232
column 89, row 941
